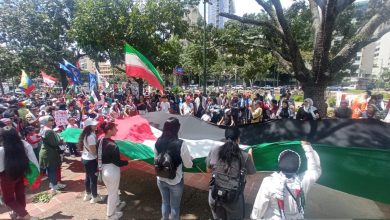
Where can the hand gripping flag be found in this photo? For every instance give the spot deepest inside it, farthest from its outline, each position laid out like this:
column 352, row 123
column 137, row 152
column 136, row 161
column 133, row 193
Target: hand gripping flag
column 49, row 80
column 26, row 83
column 137, row 65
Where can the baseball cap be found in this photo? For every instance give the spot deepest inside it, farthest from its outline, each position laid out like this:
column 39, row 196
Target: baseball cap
column 90, row 121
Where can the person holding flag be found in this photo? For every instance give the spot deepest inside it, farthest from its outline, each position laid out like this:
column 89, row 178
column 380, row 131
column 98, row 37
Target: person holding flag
column 15, row 157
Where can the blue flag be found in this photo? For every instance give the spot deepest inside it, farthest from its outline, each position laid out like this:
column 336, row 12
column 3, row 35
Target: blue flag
column 75, row 72
column 92, row 82
column 69, row 73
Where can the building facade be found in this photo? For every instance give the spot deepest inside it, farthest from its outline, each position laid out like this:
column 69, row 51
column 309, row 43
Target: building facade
column 216, row 7
column 89, row 65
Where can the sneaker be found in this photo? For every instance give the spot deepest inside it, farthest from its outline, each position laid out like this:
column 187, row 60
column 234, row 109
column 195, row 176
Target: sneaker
column 87, row 197
column 120, row 206
column 96, row 199
column 61, row 186
column 115, row 216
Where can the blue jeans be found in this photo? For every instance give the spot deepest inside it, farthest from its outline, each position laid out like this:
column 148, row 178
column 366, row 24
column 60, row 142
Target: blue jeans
column 90, row 176
column 52, row 176
column 171, row 198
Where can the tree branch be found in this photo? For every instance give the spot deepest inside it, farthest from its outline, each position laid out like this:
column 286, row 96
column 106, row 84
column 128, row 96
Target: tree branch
column 367, row 34
column 270, row 11
column 294, row 51
column 282, row 61
column 254, row 22
column 316, row 17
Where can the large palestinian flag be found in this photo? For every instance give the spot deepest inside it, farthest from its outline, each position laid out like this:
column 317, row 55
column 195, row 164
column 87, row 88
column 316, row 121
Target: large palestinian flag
column 354, row 154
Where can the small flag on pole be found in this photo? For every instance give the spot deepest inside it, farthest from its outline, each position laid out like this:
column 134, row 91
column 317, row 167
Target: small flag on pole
column 26, row 83
column 49, row 80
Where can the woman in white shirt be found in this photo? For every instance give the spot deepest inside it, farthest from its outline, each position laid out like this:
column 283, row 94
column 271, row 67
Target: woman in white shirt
column 171, row 188
column 88, row 142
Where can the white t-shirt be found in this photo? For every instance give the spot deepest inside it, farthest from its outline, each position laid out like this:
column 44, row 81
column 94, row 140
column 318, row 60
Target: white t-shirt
column 187, row 108
column 206, row 117
column 87, row 154
column 165, row 106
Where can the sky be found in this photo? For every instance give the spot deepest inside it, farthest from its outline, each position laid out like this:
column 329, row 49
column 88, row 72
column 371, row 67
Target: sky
column 250, row 6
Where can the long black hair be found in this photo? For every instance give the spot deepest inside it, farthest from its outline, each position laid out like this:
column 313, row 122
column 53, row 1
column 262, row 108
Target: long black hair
column 171, row 129
column 230, row 150
column 16, row 162
column 85, row 133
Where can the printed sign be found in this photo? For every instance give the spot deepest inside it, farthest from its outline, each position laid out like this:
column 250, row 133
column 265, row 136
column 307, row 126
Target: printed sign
column 61, row 117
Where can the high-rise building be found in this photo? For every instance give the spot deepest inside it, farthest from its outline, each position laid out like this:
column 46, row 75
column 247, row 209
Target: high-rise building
column 216, row 7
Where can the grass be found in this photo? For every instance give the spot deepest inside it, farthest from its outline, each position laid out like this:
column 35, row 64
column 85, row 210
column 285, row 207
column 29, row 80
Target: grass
column 354, row 91
column 43, row 197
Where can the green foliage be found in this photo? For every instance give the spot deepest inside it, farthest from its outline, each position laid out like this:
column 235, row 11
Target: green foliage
column 154, row 30
column 36, row 32
column 298, row 98
column 177, row 90
column 332, row 101
column 43, row 197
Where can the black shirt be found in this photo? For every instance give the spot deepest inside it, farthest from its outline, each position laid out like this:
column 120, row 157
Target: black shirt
column 110, row 153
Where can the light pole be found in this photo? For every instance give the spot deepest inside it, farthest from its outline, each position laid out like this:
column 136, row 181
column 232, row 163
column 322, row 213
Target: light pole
column 204, row 47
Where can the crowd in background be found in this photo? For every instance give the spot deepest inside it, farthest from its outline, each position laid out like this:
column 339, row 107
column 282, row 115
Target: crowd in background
column 33, row 119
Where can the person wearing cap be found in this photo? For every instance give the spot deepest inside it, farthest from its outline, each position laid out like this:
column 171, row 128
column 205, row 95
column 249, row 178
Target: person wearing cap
column 74, row 112
column 87, row 142
column 49, row 157
column 343, row 111
column 257, row 112
column 187, row 108
column 282, row 195
column 72, row 146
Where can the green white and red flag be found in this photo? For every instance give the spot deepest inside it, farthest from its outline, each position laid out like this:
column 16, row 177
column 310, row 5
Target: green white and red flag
column 137, row 65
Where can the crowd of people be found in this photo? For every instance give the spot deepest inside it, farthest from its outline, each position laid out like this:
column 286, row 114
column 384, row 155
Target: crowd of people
column 30, row 132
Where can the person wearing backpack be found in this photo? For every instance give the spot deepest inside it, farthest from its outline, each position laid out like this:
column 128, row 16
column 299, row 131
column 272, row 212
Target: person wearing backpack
column 229, row 166
column 171, row 154
column 282, row 195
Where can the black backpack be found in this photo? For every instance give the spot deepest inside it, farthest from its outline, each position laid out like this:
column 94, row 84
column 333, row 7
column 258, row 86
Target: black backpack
column 227, row 186
column 164, row 164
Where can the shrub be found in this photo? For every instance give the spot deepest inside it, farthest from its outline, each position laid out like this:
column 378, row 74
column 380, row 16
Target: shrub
column 298, row 98
column 176, row 90
column 332, row 101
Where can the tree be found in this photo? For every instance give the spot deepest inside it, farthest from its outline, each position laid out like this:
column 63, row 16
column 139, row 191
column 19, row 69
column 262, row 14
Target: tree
column 102, row 27
column 324, row 67
column 9, row 66
column 36, row 32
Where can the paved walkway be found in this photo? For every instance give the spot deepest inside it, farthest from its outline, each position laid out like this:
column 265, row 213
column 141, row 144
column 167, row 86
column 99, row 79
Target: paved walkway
column 139, row 190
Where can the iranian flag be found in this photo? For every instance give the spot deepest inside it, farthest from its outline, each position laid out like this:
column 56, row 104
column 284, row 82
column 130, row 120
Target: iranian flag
column 354, row 154
column 49, row 80
column 137, row 65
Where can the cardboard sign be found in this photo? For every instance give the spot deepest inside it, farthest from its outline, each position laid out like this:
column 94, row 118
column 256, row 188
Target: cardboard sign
column 61, row 117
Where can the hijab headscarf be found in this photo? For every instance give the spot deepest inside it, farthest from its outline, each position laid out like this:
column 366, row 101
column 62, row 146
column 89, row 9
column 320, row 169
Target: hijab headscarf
column 45, row 119
column 310, row 108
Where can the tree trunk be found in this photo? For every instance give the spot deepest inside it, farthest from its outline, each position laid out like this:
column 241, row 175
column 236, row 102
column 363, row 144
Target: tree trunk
column 317, row 93
column 1, row 87
column 140, row 86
